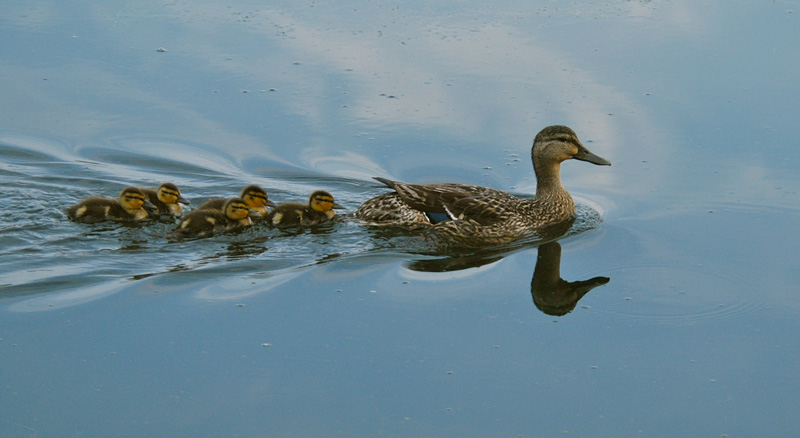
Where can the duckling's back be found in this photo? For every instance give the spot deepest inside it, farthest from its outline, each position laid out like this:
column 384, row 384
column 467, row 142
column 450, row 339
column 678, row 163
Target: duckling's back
column 212, row 204
column 288, row 214
column 201, row 223
column 98, row 209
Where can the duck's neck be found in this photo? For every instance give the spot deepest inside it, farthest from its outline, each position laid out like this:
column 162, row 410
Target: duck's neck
column 548, row 182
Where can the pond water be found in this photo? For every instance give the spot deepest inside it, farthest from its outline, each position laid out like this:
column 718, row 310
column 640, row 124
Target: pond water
column 680, row 311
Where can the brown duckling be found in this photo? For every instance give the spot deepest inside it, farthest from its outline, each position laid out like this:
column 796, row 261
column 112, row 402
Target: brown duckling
column 253, row 195
column 167, row 199
column 235, row 213
column 318, row 210
column 129, row 207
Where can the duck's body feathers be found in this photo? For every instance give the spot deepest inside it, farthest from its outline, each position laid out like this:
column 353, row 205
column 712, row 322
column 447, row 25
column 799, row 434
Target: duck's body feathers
column 482, row 216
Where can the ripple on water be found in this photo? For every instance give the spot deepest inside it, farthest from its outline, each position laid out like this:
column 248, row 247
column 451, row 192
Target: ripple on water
column 678, row 294
column 44, row 253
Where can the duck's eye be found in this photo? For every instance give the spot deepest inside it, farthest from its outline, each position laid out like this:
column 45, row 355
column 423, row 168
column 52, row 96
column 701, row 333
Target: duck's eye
column 257, row 195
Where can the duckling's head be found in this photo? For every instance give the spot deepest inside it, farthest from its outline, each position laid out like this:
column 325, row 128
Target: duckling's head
column 557, row 143
column 256, row 197
column 169, row 193
column 236, row 209
column 322, row 202
column 132, row 198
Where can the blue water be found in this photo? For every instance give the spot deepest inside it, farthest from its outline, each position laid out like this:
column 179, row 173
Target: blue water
column 685, row 247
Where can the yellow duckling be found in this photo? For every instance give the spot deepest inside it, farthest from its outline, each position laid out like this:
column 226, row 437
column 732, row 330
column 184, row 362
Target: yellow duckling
column 167, row 199
column 255, row 197
column 129, row 207
column 318, row 210
column 235, row 213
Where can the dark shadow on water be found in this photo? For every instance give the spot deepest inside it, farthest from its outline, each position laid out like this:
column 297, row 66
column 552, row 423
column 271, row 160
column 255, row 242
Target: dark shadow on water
column 551, row 294
column 248, row 245
column 456, row 258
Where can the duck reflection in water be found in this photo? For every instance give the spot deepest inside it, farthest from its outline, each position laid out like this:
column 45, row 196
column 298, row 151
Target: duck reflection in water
column 551, row 294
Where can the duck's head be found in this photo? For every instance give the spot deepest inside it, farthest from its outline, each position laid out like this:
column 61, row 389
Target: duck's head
column 322, row 202
column 557, row 143
column 236, row 209
column 132, row 198
column 256, row 197
column 169, row 193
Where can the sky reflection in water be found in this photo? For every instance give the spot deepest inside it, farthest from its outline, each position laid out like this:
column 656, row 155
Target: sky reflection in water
column 344, row 331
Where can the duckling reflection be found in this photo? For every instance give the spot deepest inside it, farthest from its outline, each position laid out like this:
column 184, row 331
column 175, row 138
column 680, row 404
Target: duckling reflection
column 552, row 294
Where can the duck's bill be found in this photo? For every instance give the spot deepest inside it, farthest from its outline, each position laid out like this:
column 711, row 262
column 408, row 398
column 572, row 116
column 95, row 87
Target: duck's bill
column 183, row 200
column 335, row 205
column 585, row 155
column 271, row 204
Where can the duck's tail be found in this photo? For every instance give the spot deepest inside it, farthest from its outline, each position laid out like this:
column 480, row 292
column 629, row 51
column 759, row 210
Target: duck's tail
column 387, row 182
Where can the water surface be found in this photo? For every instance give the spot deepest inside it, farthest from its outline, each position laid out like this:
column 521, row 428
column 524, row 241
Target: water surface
column 674, row 315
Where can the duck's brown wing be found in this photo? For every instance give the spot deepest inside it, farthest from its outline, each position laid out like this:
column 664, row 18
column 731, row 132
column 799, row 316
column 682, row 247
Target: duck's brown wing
column 458, row 201
column 389, row 208
column 480, row 209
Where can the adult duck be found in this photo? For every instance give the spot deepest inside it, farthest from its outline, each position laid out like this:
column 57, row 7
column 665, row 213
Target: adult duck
column 480, row 216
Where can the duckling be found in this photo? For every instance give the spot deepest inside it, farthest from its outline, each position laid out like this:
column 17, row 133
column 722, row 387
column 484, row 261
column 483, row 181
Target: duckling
column 482, row 216
column 167, row 199
column 318, row 210
column 129, row 207
column 253, row 195
column 235, row 213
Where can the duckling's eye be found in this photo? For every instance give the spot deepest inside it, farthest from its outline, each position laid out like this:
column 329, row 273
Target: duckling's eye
column 257, row 195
